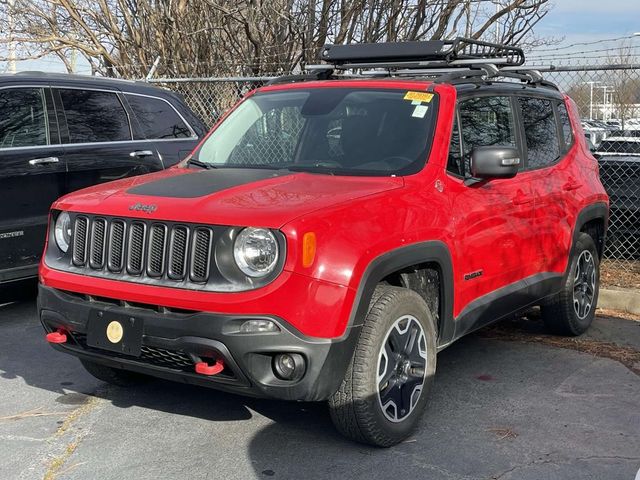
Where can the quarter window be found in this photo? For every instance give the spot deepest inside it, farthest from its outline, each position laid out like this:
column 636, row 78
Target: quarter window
column 23, row 121
column 565, row 125
column 94, row 116
column 540, row 131
column 485, row 121
column 157, row 118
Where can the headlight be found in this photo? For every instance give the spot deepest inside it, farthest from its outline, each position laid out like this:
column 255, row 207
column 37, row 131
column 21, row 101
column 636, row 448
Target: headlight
column 63, row 231
column 255, row 251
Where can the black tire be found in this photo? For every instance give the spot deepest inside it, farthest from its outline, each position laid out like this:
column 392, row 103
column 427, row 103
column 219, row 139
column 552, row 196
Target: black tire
column 561, row 314
column 114, row 376
column 357, row 407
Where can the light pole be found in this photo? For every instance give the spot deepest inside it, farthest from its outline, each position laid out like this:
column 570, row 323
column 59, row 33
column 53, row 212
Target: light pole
column 604, row 99
column 591, row 84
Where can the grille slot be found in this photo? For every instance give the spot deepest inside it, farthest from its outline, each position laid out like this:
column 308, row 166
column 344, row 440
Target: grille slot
column 80, row 233
column 96, row 245
column 200, row 255
column 135, row 248
column 115, row 257
column 156, row 250
column 178, row 252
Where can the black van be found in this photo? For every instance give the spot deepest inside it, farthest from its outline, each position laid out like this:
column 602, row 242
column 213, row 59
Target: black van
column 60, row 133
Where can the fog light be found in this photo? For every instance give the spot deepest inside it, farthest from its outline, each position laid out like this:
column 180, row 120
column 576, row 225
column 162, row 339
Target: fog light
column 259, row 326
column 289, row 366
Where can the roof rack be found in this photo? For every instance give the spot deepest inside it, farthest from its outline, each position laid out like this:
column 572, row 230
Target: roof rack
column 458, row 52
column 461, row 60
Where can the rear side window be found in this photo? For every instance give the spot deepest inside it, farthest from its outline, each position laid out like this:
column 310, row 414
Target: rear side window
column 540, row 131
column 94, row 116
column 23, row 122
column 157, row 118
column 565, row 125
column 485, row 121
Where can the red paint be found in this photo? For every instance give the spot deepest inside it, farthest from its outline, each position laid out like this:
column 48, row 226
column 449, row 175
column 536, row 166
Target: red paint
column 58, row 336
column 509, row 229
column 203, row 368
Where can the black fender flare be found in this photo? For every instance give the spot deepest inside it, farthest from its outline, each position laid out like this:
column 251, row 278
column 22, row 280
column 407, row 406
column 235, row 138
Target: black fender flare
column 595, row 211
column 433, row 251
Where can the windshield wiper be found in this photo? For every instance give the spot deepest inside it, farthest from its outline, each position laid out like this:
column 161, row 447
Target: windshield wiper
column 201, row 164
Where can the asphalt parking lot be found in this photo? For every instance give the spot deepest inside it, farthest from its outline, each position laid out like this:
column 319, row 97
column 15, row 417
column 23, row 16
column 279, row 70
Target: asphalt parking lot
column 501, row 408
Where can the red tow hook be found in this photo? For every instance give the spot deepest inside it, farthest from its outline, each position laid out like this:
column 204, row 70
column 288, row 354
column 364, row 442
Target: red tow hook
column 59, row 336
column 203, row 368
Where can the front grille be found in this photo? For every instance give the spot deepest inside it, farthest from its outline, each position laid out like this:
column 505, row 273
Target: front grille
column 136, row 248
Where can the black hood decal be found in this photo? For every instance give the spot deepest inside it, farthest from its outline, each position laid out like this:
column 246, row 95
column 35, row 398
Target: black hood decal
column 204, row 182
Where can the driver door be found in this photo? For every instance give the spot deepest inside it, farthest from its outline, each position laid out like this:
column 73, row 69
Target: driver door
column 493, row 224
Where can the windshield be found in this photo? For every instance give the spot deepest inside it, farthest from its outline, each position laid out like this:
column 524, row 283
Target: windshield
column 326, row 130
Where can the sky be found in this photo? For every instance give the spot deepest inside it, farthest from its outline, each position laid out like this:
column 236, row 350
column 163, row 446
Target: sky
column 573, row 21
column 579, row 21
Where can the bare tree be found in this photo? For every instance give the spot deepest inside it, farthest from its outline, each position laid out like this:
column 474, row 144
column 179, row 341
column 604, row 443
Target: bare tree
column 213, row 37
column 626, row 86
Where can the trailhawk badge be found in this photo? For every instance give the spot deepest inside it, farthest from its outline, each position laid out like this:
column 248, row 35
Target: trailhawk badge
column 140, row 207
column 115, row 332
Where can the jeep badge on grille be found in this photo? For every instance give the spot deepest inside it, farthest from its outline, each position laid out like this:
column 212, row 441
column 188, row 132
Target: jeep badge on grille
column 139, row 207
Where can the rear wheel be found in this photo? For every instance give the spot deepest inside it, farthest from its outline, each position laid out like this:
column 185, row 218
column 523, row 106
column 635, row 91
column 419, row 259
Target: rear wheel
column 385, row 390
column 114, row 376
column 572, row 310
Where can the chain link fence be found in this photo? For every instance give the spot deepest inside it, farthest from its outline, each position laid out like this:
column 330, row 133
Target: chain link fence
column 608, row 99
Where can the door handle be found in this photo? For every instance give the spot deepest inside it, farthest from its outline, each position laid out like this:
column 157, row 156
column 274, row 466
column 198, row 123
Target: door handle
column 141, row 153
column 571, row 185
column 43, row 161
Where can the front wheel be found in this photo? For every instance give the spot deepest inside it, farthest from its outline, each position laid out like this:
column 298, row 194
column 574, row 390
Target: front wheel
column 572, row 310
column 386, row 386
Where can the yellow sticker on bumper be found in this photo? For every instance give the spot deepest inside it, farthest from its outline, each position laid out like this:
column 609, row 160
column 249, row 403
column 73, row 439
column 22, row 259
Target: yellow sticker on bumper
column 419, row 96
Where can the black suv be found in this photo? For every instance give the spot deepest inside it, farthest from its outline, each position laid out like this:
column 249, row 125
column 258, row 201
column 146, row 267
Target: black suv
column 60, row 133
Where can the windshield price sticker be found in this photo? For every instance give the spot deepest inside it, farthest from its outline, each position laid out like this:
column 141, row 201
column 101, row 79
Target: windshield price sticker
column 420, row 111
column 419, row 96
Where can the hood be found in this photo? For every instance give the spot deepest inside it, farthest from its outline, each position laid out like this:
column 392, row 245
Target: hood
column 226, row 196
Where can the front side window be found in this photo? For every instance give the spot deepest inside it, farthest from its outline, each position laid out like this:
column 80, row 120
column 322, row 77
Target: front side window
column 485, row 121
column 334, row 130
column 540, row 130
column 94, row 116
column 23, row 122
column 157, row 118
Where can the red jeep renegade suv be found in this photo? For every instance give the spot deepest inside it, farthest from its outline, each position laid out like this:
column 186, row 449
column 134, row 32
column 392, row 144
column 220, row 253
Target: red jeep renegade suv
column 335, row 231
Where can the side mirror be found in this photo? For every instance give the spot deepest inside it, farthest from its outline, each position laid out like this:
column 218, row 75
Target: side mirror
column 495, row 162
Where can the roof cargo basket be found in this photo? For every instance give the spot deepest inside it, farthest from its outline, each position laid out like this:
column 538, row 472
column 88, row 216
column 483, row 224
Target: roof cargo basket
column 458, row 52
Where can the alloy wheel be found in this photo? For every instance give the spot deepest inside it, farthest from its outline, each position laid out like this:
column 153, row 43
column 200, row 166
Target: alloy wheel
column 402, row 363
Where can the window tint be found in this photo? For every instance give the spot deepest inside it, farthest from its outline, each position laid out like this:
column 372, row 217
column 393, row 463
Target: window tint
column 23, row 121
column 540, row 132
column 485, row 121
column 94, row 116
column 454, row 164
column 565, row 124
column 157, row 118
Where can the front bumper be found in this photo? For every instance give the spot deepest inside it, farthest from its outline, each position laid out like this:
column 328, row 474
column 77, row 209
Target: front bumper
column 173, row 338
